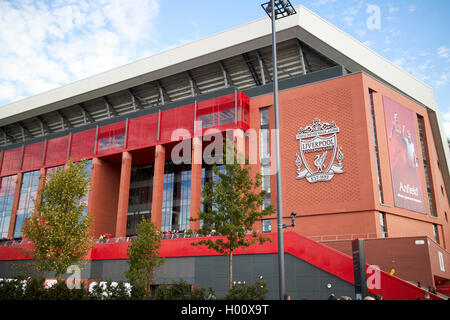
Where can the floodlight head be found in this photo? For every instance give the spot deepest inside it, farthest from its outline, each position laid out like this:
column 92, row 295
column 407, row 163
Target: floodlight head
column 282, row 9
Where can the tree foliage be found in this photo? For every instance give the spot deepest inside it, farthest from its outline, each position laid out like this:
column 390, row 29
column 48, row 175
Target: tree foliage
column 144, row 257
column 60, row 231
column 244, row 291
column 233, row 204
column 182, row 290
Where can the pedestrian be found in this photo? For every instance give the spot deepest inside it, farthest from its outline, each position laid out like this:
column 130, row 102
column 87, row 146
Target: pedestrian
column 287, row 297
column 426, row 296
column 379, row 297
column 332, row 296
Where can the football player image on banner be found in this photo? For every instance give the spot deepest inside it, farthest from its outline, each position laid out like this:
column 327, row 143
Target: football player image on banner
column 403, row 148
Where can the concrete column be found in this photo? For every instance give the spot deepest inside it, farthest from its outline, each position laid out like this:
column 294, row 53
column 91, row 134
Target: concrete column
column 103, row 196
column 15, row 206
column 196, row 181
column 124, row 193
column 158, row 185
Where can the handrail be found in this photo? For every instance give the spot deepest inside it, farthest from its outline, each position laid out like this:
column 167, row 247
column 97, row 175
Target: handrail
column 368, row 235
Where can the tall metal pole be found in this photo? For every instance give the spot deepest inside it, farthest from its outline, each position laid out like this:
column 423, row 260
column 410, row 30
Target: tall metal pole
column 281, row 274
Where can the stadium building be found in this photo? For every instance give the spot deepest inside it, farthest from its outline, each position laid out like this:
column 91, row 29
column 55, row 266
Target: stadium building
column 363, row 155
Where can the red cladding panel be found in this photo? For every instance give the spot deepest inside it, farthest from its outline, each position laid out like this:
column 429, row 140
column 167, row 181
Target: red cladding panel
column 10, row 163
column 56, row 151
column 32, row 156
column 142, row 132
column 82, row 145
column 221, row 112
column 111, row 138
column 176, row 119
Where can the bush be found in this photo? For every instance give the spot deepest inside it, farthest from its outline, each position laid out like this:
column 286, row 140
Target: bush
column 34, row 289
column 12, row 289
column 243, row 291
column 110, row 291
column 182, row 290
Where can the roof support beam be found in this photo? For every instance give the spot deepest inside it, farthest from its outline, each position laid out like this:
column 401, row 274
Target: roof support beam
column 163, row 96
column 252, row 69
column 25, row 130
column 226, row 75
column 137, row 104
column 304, row 62
column 86, row 115
column 194, row 88
column 10, row 138
column 64, row 121
column 109, row 107
column 44, row 125
column 265, row 75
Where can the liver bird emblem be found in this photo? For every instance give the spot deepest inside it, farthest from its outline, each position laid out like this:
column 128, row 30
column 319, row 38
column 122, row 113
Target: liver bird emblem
column 319, row 161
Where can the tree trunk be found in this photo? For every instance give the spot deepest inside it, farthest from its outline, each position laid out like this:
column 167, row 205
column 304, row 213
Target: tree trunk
column 230, row 269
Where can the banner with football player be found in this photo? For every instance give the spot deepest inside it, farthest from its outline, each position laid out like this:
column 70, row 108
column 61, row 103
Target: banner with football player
column 403, row 149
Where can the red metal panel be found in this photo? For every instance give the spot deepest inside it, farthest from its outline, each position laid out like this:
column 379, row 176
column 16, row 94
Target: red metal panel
column 10, row 163
column 142, row 131
column 173, row 119
column 56, row 151
column 310, row 251
column 82, row 145
column 111, row 138
column 32, row 156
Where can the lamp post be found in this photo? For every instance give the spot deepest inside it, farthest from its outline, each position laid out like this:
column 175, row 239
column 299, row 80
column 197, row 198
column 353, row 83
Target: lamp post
column 277, row 10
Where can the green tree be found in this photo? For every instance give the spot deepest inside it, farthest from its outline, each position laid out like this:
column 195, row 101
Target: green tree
column 144, row 257
column 233, row 204
column 60, row 231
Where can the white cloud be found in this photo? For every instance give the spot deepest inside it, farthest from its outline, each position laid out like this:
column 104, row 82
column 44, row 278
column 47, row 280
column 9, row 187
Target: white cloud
column 46, row 45
column 322, row 2
column 444, row 52
column 442, row 80
column 369, row 43
column 393, row 9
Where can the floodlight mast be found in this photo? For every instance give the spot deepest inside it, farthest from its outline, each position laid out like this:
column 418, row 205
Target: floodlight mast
column 278, row 10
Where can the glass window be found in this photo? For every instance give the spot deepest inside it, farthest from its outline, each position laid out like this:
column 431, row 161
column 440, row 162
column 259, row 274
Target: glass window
column 86, row 197
column 383, row 225
column 227, row 116
column 425, row 165
column 206, row 120
column 140, row 198
column 264, row 117
column 113, row 141
column 266, row 225
column 377, row 160
column 28, row 192
column 7, row 189
column 209, row 175
column 264, row 153
column 176, row 197
column 435, row 233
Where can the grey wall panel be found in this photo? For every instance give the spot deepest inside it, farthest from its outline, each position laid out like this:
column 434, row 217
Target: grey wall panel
column 303, row 280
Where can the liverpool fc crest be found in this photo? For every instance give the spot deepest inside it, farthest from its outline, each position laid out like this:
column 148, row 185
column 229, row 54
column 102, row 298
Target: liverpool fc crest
column 319, row 152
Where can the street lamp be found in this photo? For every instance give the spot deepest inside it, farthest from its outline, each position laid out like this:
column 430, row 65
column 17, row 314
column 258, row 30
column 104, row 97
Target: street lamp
column 277, row 10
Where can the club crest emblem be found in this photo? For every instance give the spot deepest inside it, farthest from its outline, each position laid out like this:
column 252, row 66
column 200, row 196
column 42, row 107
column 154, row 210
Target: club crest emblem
column 319, row 152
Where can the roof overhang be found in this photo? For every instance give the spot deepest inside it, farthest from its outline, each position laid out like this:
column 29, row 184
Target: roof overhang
column 307, row 26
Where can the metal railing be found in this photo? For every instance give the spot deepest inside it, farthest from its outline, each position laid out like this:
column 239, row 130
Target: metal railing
column 368, row 235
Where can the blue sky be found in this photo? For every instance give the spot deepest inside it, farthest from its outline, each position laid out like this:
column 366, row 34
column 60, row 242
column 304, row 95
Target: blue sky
column 46, row 44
